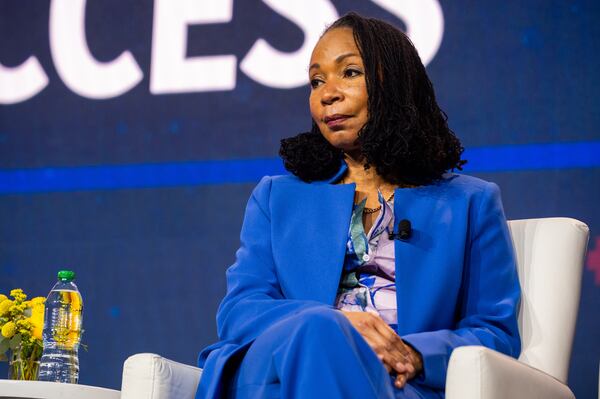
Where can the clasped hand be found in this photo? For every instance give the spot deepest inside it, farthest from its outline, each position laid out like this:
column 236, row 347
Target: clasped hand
column 396, row 356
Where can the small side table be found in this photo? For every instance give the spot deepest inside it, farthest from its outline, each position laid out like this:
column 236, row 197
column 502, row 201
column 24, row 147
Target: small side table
column 11, row 389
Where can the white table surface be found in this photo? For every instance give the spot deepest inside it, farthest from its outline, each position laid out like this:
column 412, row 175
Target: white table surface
column 10, row 389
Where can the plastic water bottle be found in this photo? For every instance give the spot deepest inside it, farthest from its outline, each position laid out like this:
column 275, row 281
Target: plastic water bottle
column 62, row 331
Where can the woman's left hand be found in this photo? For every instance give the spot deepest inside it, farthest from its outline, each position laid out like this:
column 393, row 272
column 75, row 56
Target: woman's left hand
column 395, row 354
column 411, row 368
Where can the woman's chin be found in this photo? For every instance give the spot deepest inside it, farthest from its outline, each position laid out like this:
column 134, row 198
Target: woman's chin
column 343, row 141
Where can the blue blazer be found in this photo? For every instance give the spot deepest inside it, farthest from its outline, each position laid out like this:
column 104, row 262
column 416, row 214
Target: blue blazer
column 456, row 277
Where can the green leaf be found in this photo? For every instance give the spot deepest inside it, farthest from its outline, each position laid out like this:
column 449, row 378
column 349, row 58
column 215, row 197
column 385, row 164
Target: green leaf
column 15, row 341
column 3, row 345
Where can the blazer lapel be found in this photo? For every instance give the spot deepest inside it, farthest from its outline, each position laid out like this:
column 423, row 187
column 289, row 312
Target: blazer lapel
column 430, row 259
column 309, row 237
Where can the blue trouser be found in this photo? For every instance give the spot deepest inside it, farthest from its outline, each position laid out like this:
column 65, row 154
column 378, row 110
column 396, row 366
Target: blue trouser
column 316, row 353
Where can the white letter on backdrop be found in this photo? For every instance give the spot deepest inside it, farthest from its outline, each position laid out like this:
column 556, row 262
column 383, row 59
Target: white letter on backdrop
column 22, row 82
column 76, row 66
column 424, row 21
column 281, row 70
column 171, row 71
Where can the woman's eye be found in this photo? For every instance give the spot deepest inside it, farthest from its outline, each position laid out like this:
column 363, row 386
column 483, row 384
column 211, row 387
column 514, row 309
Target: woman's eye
column 350, row 73
column 315, row 82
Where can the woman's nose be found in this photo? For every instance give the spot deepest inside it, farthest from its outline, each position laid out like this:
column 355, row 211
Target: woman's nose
column 331, row 94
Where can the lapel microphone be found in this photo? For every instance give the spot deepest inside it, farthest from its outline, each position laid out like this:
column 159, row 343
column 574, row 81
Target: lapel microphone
column 404, row 231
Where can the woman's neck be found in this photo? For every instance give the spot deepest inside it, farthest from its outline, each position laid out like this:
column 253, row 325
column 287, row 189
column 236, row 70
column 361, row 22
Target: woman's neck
column 366, row 180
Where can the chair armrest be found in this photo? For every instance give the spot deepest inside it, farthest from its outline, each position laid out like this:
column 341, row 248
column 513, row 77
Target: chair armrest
column 150, row 376
column 482, row 373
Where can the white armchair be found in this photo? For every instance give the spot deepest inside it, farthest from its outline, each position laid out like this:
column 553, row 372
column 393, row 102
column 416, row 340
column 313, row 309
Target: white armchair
column 550, row 254
column 150, row 376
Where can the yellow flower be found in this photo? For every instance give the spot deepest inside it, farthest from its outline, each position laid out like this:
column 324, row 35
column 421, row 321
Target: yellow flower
column 3, row 298
column 24, row 325
column 16, row 310
column 18, row 294
column 38, row 309
column 36, row 301
column 9, row 329
column 37, row 320
column 5, row 307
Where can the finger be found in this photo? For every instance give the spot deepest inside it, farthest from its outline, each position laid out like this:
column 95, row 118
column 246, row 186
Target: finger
column 416, row 359
column 388, row 351
column 384, row 342
column 410, row 367
column 397, row 362
column 385, row 357
column 401, row 368
column 398, row 358
column 403, row 365
column 379, row 343
column 400, row 380
column 384, row 361
column 390, row 335
column 385, row 352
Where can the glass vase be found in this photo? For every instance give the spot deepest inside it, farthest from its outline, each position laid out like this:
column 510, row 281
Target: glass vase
column 23, row 365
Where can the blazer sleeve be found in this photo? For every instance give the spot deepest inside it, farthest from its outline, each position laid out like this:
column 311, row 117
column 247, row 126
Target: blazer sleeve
column 254, row 299
column 490, row 294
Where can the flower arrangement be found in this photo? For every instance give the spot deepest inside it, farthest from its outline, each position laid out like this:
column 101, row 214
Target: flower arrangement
column 21, row 325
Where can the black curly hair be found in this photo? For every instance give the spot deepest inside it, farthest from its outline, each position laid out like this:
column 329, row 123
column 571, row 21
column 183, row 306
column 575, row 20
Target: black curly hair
column 406, row 137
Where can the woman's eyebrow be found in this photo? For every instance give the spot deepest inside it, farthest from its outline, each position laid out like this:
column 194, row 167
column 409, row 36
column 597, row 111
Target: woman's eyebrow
column 338, row 59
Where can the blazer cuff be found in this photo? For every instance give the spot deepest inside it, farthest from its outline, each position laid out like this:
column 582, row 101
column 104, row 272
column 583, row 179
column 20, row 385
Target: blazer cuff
column 435, row 361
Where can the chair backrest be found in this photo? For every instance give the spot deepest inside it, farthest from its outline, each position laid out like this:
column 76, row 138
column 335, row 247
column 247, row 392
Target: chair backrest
column 550, row 254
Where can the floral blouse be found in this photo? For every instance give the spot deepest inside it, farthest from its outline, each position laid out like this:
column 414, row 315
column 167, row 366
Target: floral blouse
column 368, row 281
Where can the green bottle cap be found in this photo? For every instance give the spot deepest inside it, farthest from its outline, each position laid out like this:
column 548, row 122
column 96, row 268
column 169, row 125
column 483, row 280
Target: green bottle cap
column 66, row 275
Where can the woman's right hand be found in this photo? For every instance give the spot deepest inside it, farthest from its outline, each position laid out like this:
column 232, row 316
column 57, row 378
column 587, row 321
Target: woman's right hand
column 387, row 345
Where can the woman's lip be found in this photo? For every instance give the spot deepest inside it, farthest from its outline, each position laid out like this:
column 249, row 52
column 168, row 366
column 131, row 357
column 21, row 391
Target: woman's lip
column 336, row 120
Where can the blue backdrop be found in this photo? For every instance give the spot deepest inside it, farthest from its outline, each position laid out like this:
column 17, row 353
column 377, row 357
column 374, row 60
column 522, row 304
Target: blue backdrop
column 132, row 132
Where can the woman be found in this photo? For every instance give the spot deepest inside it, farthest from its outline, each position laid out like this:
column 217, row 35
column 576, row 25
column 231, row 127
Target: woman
column 358, row 276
